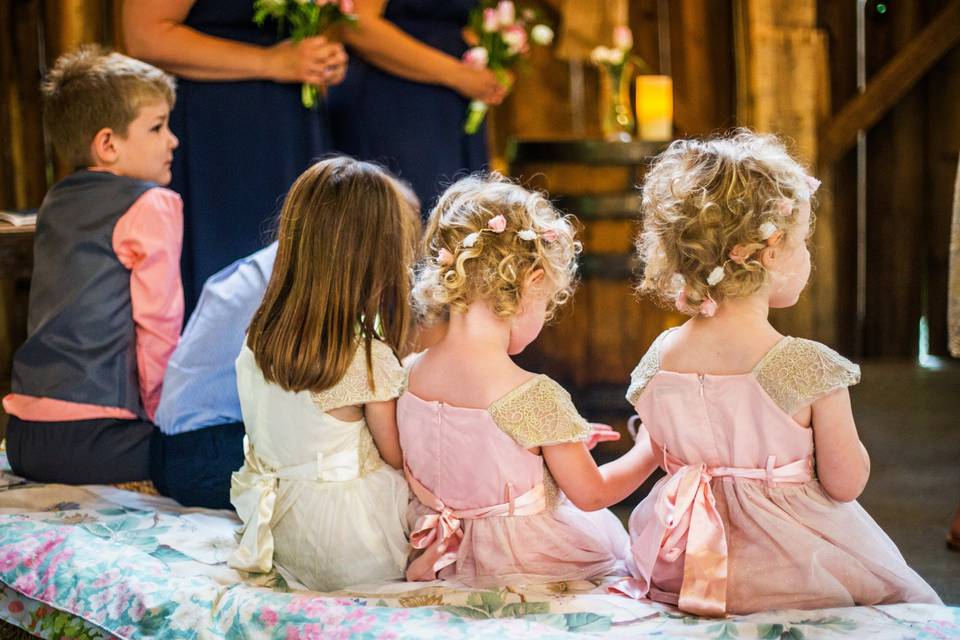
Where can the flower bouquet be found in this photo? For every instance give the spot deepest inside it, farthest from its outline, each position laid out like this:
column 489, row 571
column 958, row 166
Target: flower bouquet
column 304, row 19
column 500, row 38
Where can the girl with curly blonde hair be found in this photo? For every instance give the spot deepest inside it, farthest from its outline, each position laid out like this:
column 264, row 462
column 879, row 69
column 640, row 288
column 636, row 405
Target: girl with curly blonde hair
column 497, row 456
column 747, row 517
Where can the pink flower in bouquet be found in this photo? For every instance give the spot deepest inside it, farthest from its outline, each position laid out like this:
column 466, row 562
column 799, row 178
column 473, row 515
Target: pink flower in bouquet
column 622, row 38
column 515, row 37
column 506, row 13
column 490, row 20
column 476, row 57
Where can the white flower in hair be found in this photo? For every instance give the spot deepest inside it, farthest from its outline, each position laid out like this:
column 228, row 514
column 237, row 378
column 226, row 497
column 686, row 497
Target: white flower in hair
column 767, row 229
column 471, row 239
column 527, row 234
column 715, row 276
column 677, row 281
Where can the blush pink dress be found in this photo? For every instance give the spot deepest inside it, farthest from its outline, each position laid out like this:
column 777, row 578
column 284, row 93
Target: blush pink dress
column 740, row 523
column 477, row 485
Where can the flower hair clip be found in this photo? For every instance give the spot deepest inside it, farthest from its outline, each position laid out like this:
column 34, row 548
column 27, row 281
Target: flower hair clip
column 708, row 308
column 767, row 230
column 496, row 224
column 444, row 258
column 716, row 276
column 547, row 235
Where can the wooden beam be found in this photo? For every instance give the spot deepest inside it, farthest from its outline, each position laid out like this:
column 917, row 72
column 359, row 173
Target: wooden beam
column 890, row 84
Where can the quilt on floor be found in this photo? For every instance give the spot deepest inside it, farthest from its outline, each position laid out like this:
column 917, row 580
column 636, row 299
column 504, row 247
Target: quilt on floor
column 98, row 562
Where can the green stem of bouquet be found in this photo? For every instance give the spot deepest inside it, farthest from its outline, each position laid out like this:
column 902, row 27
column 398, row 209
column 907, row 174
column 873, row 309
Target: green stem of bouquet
column 477, row 110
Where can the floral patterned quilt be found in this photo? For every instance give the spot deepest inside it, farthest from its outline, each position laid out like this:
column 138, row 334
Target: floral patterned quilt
column 99, row 562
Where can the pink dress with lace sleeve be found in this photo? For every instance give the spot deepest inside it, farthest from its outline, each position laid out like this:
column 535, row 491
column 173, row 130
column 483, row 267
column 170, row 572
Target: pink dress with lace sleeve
column 477, row 484
column 740, row 523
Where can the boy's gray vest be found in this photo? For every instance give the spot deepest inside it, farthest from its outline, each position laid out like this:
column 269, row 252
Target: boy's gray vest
column 81, row 343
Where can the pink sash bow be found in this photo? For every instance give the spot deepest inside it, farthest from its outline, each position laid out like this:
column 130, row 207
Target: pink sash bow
column 445, row 523
column 685, row 507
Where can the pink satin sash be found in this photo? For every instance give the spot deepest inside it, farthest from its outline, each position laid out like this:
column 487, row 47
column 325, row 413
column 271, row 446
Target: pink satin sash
column 445, row 523
column 686, row 507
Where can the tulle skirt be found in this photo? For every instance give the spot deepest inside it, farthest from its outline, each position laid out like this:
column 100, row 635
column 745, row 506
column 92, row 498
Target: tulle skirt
column 793, row 547
column 330, row 535
column 562, row 543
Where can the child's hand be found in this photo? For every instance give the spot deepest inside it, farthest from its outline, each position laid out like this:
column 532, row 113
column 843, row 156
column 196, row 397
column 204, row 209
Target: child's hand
column 601, row 433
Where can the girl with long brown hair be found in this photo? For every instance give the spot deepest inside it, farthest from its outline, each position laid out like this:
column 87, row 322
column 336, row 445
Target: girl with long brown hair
column 318, row 377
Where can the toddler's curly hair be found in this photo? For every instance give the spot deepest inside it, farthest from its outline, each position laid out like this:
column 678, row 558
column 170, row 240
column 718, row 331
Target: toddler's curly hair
column 466, row 259
column 702, row 198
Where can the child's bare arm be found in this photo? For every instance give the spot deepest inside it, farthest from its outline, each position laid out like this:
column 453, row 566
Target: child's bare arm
column 843, row 465
column 382, row 421
column 590, row 487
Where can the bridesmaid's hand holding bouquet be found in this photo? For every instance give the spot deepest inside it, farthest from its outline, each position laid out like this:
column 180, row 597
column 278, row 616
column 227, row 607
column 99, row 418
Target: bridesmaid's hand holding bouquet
column 301, row 19
column 500, row 39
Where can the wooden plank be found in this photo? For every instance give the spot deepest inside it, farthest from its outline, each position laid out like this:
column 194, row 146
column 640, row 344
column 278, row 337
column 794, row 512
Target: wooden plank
column 838, row 194
column 897, row 197
column 891, row 83
column 703, row 67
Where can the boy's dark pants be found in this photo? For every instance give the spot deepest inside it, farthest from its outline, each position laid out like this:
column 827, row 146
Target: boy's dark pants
column 194, row 468
column 101, row 451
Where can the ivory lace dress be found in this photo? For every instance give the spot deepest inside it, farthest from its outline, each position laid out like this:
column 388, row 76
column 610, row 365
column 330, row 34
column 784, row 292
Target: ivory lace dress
column 313, row 492
column 740, row 523
column 478, row 486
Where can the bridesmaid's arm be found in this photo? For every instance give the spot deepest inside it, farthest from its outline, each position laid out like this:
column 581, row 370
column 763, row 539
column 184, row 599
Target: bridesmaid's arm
column 384, row 45
column 154, row 31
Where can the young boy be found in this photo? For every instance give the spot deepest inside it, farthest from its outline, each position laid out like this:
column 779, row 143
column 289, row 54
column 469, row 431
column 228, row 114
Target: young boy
column 106, row 302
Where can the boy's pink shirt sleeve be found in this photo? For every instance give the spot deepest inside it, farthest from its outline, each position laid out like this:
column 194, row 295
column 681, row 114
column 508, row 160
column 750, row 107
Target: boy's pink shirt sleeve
column 147, row 240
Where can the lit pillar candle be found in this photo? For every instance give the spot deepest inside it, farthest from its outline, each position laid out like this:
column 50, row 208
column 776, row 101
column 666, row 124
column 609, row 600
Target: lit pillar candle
column 654, row 107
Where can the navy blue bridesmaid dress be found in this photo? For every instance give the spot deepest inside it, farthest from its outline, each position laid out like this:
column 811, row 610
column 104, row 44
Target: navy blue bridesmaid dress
column 415, row 129
column 242, row 144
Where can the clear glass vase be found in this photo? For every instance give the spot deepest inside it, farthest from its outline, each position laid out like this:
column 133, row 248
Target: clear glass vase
column 616, row 113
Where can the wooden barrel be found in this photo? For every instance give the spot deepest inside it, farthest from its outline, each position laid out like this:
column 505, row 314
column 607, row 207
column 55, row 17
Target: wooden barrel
column 597, row 340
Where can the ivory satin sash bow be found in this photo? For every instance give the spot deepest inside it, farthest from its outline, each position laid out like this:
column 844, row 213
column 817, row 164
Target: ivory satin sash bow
column 253, row 492
column 445, row 523
column 686, row 507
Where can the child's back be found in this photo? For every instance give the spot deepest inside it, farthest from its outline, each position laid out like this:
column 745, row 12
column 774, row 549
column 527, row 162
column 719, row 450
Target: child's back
column 317, row 378
column 106, row 304
column 742, row 482
column 506, row 489
column 747, row 517
column 335, row 518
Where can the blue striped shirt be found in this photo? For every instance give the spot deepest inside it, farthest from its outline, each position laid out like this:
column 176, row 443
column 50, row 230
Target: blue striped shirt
column 200, row 385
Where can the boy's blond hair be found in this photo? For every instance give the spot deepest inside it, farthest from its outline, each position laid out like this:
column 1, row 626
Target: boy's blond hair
column 702, row 198
column 90, row 89
column 465, row 259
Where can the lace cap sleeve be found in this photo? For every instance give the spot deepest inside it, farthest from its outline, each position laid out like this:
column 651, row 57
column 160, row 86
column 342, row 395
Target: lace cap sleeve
column 540, row 413
column 797, row 372
column 354, row 388
column 645, row 370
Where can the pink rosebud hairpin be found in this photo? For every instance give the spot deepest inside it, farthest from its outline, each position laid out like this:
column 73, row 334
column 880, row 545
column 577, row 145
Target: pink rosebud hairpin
column 549, row 235
column 708, row 308
column 444, row 258
column 497, row 224
column 812, row 184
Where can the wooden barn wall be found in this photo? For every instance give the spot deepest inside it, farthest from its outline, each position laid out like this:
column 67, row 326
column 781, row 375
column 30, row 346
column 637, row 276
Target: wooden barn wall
column 912, row 157
column 911, row 168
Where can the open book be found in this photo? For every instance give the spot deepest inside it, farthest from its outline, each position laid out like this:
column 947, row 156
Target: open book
column 19, row 218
